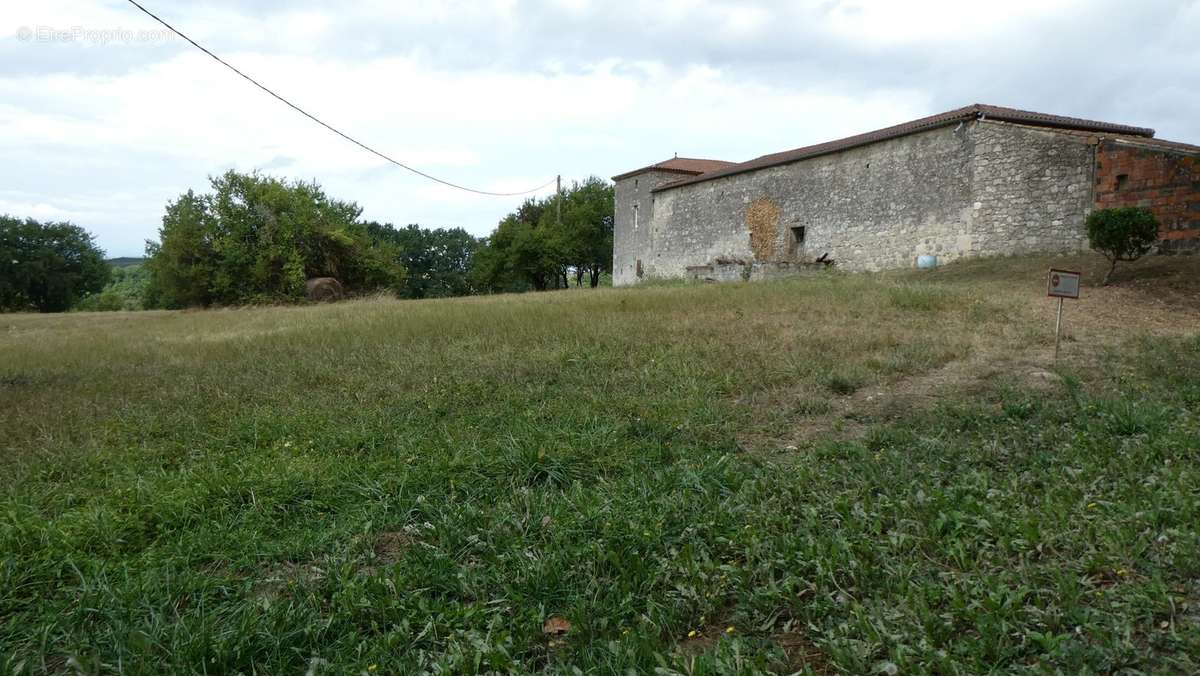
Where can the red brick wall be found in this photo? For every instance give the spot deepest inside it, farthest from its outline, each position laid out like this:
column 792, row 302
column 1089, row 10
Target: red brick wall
column 1166, row 182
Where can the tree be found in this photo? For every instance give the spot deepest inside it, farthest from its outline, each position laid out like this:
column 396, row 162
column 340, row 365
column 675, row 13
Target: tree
column 126, row 290
column 47, row 267
column 520, row 253
column 184, row 262
column 1122, row 234
column 531, row 248
column 259, row 238
column 586, row 234
column 438, row 261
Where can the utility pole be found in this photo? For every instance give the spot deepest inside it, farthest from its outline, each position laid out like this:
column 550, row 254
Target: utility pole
column 558, row 199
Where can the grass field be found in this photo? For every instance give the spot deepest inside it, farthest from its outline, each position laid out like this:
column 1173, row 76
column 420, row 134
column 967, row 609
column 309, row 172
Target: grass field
column 843, row 473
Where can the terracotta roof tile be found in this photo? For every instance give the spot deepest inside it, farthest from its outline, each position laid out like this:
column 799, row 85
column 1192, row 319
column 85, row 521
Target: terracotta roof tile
column 1159, row 143
column 976, row 111
column 680, row 165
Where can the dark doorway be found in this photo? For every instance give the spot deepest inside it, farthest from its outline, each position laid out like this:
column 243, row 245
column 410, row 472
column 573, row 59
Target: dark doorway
column 797, row 240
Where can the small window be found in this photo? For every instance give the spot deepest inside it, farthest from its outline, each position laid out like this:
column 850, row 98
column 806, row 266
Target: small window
column 635, row 183
column 635, row 217
column 797, row 242
column 1122, row 182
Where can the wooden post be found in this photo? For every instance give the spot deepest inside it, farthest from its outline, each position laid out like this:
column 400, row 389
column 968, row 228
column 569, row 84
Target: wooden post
column 1061, row 284
column 1058, row 329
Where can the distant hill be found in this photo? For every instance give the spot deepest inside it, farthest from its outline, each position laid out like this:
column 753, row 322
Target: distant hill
column 125, row 261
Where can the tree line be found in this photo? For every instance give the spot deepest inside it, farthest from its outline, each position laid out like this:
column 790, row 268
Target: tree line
column 254, row 238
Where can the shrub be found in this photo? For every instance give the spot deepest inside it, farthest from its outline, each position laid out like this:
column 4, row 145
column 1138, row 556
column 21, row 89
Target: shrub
column 1121, row 234
column 256, row 238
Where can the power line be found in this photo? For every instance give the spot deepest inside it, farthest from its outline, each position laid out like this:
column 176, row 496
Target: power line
column 314, row 118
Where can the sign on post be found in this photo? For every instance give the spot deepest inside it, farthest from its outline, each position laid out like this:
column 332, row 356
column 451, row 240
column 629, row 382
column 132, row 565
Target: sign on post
column 1061, row 284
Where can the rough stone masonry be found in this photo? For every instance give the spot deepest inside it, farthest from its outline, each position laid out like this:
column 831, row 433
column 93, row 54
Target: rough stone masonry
column 977, row 181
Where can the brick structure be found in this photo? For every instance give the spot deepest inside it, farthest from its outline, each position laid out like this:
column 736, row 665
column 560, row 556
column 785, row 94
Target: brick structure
column 1161, row 178
column 976, row 181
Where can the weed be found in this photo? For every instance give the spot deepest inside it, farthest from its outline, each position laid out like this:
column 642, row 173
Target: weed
column 844, row 382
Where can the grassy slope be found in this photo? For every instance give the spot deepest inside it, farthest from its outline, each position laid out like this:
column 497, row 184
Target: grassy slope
column 390, row 486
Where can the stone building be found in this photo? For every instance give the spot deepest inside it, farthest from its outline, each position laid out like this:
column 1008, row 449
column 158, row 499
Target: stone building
column 977, row 181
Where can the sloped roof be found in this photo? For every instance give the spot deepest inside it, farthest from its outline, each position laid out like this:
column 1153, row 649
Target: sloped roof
column 1156, row 143
column 680, row 165
column 976, row 111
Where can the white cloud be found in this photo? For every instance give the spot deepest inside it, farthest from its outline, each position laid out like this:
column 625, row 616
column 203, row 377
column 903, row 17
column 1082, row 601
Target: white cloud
column 503, row 95
column 891, row 23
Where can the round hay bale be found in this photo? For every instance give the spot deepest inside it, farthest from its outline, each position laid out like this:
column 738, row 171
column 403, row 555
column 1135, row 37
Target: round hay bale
column 324, row 289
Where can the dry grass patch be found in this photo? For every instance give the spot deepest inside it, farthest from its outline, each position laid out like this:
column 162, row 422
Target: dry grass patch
column 981, row 326
column 281, row 580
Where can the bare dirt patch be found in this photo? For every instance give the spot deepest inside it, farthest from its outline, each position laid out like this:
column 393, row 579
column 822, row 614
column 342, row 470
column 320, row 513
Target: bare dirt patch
column 966, row 376
column 703, row 641
column 849, row 417
column 390, row 546
column 802, row 653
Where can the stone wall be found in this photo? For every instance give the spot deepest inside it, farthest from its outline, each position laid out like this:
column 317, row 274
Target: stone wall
column 1032, row 191
column 980, row 188
column 1166, row 181
column 868, row 208
column 631, row 229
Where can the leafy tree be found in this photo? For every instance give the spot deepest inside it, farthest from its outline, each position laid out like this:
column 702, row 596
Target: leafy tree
column 183, row 264
column 520, row 254
column 1122, row 234
column 126, row 290
column 531, row 248
column 490, row 272
column 259, row 238
column 438, row 261
column 47, row 266
column 585, row 237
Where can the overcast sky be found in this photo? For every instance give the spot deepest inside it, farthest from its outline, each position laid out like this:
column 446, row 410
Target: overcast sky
column 103, row 118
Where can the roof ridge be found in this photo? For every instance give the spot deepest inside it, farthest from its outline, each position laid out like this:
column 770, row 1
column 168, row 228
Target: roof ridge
column 694, row 166
column 975, row 111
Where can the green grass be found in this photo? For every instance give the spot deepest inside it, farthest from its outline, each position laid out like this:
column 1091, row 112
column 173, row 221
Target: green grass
column 392, row 487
